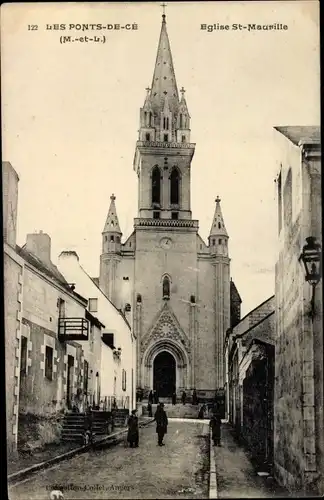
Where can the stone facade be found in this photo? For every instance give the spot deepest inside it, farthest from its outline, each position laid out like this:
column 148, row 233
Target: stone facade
column 298, row 424
column 234, row 349
column 118, row 373
column 45, row 374
column 177, row 286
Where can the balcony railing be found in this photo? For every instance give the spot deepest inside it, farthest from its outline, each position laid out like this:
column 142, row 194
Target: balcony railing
column 73, row 329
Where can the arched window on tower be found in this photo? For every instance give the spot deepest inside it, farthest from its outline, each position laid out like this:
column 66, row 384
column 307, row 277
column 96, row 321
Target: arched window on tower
column 175, row 182
column 156, row 185
column 181, row 121
column 151, row 120
column 166, row 288
column 145, row 118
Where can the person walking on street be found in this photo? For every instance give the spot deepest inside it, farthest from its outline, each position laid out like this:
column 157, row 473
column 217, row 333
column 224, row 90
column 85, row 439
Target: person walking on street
column 174, row 398
column 149, row 409
column 194, row 397
column 133, row 435
column 215, row 424
column 183, row 398
column 150, row 397
column 161, row 423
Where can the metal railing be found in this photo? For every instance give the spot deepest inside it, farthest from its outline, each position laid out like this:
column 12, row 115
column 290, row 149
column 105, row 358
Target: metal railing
column 91, row 401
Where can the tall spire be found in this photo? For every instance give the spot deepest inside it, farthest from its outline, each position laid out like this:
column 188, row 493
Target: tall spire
column 164, row 80
column 218, row 227
column 112, row 224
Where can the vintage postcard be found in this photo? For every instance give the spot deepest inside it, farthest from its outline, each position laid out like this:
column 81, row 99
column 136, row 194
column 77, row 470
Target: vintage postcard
column 162, row 236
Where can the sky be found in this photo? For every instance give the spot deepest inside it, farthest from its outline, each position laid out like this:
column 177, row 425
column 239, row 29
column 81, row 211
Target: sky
column 70, row 115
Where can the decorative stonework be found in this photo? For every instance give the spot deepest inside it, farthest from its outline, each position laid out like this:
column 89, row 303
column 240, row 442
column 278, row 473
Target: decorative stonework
column 166, row 326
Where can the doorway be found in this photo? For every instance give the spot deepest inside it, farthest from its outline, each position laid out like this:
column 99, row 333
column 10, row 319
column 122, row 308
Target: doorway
column 164, row 374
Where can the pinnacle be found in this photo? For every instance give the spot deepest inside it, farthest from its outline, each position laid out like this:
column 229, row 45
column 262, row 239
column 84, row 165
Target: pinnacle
column 218, row 227
column 112, row 223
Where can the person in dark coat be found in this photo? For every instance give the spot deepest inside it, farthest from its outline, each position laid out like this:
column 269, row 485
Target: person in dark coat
column 201, row 413
column 161, row 423
column 149, row 409
column 150, row 397
column 215, row 424
column 194, row 397
column 133, row 435
column 183, row 398
column 174, row 398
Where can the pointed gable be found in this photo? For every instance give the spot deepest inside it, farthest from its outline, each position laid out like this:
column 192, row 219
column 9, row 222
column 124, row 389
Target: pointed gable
column 218, row 227
column 112, row 223
column 164, row 80
column 166, row 326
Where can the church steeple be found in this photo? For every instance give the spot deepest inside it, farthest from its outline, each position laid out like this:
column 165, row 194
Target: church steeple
column 111, row 234
column 163, row 151
column 218, row 236
column 164, row 81
column 164, row 117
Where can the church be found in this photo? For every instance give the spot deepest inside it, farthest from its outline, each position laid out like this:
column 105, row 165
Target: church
column 180, row 286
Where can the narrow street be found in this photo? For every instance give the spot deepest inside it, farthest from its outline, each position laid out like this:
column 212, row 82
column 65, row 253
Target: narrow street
column 180, row 469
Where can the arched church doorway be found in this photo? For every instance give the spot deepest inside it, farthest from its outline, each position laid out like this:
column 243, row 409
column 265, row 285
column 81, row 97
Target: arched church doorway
column 164, row 374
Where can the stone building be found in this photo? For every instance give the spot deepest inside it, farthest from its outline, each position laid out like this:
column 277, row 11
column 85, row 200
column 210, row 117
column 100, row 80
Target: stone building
column 177, row 285
column 52, row 343
column 118, row 349
column 298, row 416
column 257, row 324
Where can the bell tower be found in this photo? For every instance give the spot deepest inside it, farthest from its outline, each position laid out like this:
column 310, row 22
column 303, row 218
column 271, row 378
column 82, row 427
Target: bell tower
column 163, row 151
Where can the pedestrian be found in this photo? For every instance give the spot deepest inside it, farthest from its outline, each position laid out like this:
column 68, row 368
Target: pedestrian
column 150, row 397
column 174, row 398
column 201, row 413
column 215, row 424
column 132, row 435
column 194, row 397
column 149, row 409
column 161, row 423
column 156, row 397
column 183, row 398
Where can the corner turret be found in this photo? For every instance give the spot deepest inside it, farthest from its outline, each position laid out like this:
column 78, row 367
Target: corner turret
column 218, row 237
column 111, row 235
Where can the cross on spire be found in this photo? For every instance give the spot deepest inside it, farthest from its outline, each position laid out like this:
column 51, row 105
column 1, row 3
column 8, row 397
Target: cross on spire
column 218, row 200
column 113, row 197
column 182, row 90
column 163, row 5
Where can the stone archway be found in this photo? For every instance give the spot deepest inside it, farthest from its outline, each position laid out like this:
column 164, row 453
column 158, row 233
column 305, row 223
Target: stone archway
column 164, row 374
column 180, row 356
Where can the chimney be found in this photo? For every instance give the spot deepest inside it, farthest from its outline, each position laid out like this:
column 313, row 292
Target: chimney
column 10, row 181
column 67, row 254
column 39, row 244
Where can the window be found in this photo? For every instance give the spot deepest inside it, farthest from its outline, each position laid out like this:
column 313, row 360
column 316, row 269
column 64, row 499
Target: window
column 214, row 242
column 174, row 215
column 219, row 225
column 93, row 305
column 145, row 117
column 147, row 137
column 166, row 288
column 117, row 239
column 156, row 215
column 156, row 185
column 151, row 120
column 174, row 180
column 112, row 238
column 183, row 138
column 124, row 380
column 49, row 362
column 23, row 356
column 181, row 121
column 85, row 376
column 279, row 204
column 106, row 238
column 219, row 242
column 166, row 138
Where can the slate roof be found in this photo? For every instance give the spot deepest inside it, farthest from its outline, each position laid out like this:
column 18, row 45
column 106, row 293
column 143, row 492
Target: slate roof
column 49, row 269
column 301, row 133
